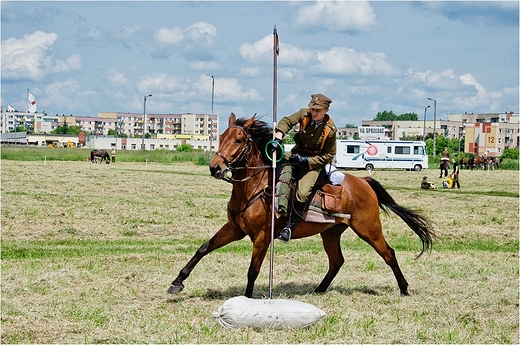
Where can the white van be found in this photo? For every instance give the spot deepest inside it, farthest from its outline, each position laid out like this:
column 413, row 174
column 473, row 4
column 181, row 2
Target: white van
column 381, row 154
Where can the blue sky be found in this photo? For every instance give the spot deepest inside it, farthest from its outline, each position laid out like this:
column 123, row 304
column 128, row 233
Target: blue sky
column 83, row 58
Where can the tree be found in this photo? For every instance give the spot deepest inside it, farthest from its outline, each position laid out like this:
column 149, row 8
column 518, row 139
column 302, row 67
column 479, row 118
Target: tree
column 350, row 125
column 385, row 116
column 408, row 117
column 510, row 152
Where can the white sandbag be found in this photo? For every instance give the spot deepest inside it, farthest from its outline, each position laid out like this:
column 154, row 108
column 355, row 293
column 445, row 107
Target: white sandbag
column 273, row 313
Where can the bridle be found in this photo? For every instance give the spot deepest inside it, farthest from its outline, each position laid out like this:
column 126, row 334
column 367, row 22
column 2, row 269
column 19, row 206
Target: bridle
column 228, row 173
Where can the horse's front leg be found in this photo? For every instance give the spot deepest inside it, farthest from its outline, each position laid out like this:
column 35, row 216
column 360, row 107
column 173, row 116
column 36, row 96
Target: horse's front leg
column 224, row 236
column 260, row 245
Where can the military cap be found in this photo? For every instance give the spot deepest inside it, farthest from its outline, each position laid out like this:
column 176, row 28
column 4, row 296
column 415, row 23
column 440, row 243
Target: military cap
column 319, row 101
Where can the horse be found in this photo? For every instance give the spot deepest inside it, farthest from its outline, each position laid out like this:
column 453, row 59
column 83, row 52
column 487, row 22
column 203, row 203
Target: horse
column 99, row 153
column 241, row 160
column 480, row 161
column 444, row 165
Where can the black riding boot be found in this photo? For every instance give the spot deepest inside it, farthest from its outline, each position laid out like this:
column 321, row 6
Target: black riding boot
column 296, row 216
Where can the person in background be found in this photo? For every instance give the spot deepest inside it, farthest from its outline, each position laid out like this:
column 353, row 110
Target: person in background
column 315, row 147
column 113, row 153
column 455, row 173
column 425, row 184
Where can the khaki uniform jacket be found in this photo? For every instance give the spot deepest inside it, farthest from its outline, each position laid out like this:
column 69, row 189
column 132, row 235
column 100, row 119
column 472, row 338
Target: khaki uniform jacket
column 308, row 141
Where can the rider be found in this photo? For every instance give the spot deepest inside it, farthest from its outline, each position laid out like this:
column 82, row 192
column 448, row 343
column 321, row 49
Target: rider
column 315, row 147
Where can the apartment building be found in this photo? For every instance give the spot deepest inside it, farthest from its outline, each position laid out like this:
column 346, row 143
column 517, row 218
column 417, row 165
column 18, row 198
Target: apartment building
column 482, row 133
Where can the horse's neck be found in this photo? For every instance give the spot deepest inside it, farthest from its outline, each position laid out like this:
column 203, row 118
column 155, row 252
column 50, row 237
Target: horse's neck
column 254, row 180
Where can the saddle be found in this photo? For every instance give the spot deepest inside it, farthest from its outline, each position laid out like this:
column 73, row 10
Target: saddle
column 324, row 202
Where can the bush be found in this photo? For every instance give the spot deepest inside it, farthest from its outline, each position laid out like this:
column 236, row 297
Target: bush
column 509, row 164
column 510, row 153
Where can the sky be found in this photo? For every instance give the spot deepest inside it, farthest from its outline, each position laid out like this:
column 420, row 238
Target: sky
column 84, row 57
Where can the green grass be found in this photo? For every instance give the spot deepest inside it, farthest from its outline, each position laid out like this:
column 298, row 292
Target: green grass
column 29, row 154
column 70, row 248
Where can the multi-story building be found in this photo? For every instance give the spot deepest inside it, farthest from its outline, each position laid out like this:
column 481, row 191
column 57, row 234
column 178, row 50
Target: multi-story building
column 199, row 126
column 482, row 133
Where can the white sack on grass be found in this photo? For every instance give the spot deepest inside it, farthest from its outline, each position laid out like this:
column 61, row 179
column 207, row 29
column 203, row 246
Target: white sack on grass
column 274, row 313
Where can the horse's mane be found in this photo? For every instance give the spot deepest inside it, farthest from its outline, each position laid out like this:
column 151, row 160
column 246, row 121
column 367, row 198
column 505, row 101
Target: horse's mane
column 261, row 133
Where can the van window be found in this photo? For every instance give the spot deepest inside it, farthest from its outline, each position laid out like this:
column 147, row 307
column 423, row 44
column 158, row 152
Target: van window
column 402, row 150
column 352, row 149
column 418, row 150
column 389, row 149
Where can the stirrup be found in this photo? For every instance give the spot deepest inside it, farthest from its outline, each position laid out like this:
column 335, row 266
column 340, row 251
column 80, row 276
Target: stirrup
column 285, row 235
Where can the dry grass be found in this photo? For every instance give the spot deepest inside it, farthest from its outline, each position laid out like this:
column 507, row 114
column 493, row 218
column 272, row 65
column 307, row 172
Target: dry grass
column 88, row 252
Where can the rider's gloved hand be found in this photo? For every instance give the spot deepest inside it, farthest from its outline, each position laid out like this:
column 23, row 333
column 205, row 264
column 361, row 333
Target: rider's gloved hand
column 275, row 145
column 301, row 161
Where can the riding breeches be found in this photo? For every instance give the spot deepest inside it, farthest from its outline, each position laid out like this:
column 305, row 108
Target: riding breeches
column 306, row 183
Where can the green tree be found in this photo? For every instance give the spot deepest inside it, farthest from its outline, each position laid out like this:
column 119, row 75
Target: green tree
column 385, row 116
column 510, row 153
column 350, row 125
column 407, row 117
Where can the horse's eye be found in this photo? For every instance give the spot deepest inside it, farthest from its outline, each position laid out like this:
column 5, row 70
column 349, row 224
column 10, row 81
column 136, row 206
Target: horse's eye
column 238, row 141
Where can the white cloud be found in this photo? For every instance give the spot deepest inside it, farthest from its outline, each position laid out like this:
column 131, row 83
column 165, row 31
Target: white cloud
column 341, row 60
column 356, row 16
column 64, row 93
column 290, row 73
column 250, row 71
column 115, row 76
column 127, row 32
column 257, row 51
column 200, row 33
column 160, row 81
column 262, row 51
column 73, row 63
column 227, row 89
column 27, row 57
column 169, row 36
column 203, row 66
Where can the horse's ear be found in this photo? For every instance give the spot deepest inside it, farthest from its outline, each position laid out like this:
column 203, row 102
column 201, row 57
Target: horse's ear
column 232, row 120
column 249, row 122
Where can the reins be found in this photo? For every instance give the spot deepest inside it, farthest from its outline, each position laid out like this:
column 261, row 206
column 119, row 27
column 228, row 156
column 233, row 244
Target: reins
column 228, row 173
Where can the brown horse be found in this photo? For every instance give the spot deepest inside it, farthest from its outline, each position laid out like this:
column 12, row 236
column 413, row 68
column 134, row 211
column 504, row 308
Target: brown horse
column 99, row 153
column 241, row 160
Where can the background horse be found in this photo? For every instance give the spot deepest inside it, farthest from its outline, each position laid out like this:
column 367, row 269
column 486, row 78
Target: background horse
column 99, row 153
column 241, row 160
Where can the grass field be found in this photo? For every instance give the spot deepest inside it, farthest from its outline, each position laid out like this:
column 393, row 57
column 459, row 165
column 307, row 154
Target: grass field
column 88, row 251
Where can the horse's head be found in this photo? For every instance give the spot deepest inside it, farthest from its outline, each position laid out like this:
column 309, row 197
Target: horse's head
column 234, row 146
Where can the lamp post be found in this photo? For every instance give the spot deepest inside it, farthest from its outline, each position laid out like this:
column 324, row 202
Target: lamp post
column 144, row 120
column 434, row 120
column 211, row 123
column 424, row 124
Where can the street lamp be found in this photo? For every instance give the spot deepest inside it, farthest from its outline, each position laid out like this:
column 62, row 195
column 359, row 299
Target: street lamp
column 211, row 123
column 144, row 119
column 434, row 119
column 424, row 124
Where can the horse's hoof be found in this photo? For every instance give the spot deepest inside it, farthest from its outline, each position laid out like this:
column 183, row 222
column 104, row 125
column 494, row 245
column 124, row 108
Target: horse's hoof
column 173, row 289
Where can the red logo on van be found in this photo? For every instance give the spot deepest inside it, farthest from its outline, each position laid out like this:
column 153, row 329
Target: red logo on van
column 372, row 150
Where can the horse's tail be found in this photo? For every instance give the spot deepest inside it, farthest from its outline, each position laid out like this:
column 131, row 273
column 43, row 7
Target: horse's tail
column 418, row 223
column 92, row 155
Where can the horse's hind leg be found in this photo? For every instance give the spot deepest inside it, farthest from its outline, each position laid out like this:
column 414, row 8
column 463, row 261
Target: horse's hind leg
column 331, row 244
column 373, row 235
column 224, row 236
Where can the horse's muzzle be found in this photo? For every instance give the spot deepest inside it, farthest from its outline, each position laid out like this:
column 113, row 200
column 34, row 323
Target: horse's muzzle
column 216, row 171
